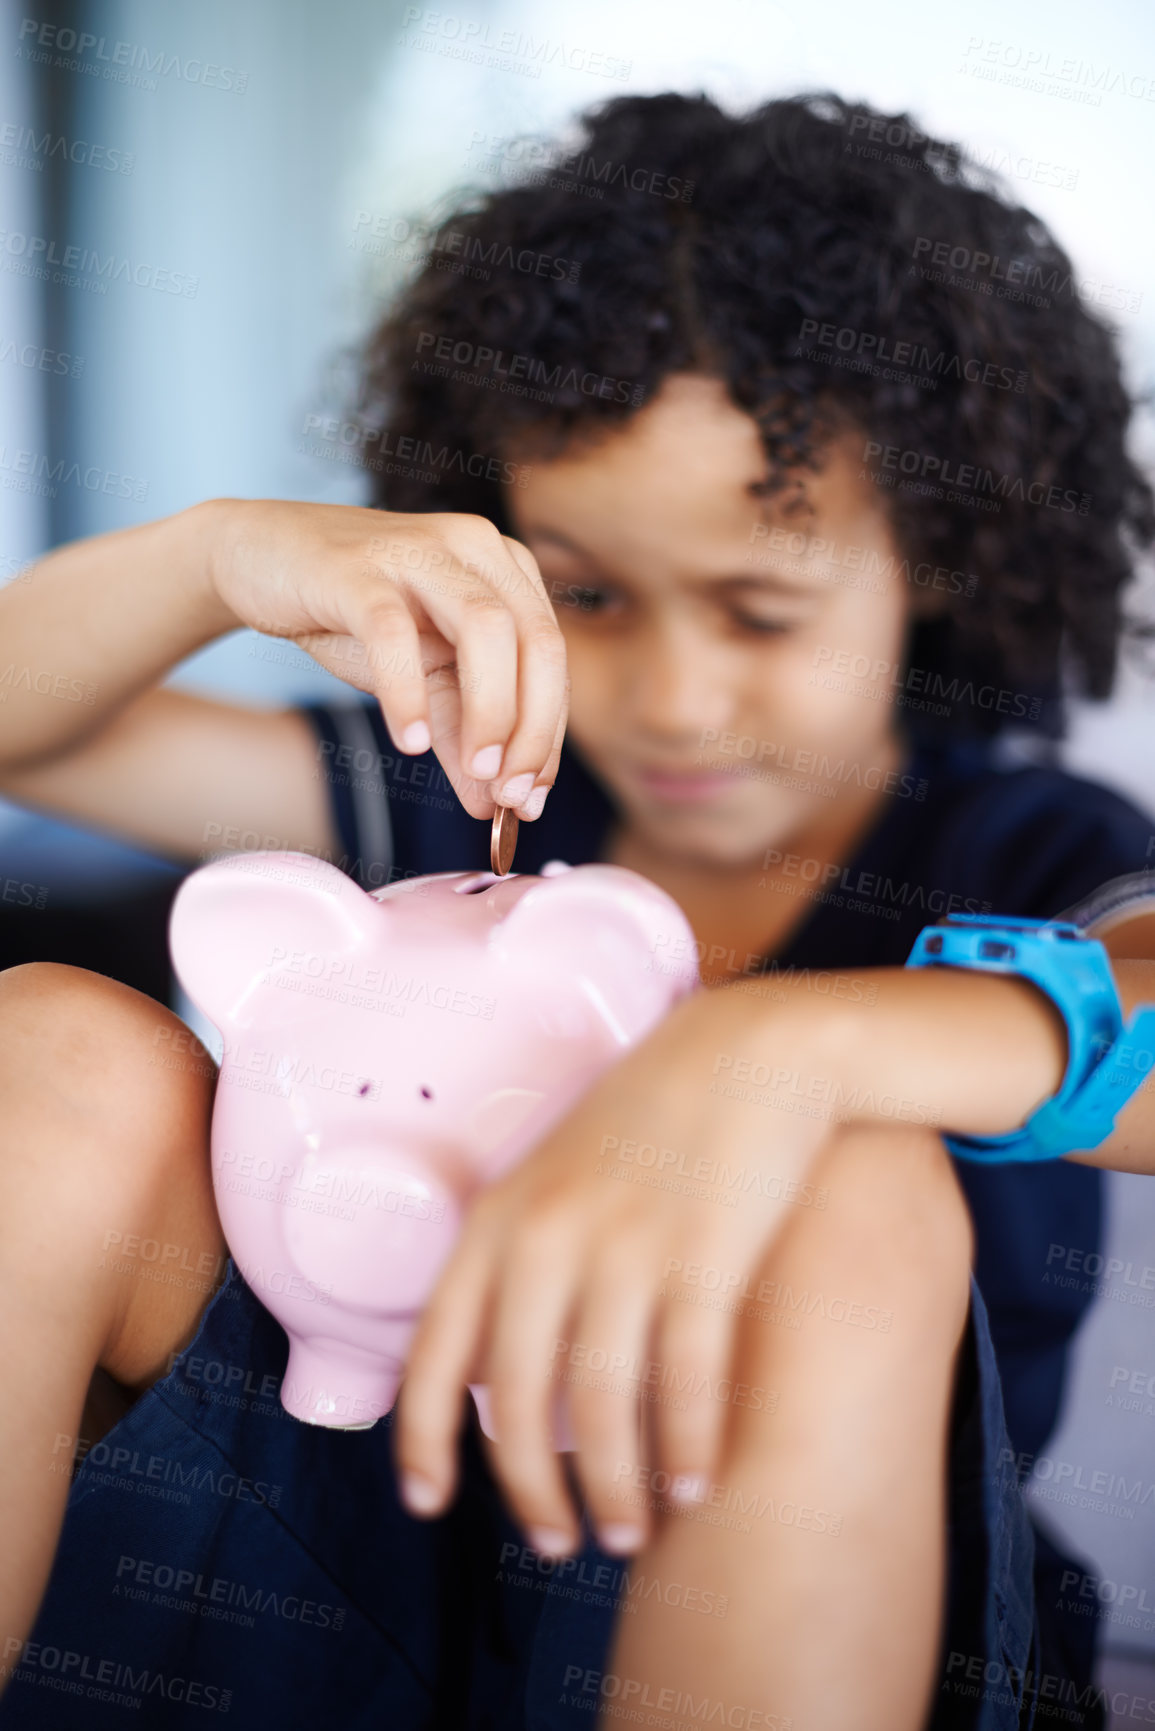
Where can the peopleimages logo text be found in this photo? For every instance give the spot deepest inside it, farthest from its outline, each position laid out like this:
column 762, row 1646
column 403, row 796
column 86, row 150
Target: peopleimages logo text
column 38, row 251
column 489, row 363
column 124, row 58
column 969, row 478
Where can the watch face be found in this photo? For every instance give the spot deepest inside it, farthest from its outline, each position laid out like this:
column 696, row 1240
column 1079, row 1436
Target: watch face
column 1057, row 928
column 1072, row 969
column 1000, row 945
column 1124, row 899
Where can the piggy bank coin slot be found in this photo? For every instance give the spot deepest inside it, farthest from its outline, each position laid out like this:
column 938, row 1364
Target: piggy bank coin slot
column 478, row 885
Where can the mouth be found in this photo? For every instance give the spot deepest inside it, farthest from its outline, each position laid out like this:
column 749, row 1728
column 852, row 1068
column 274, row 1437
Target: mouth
column 681, row 785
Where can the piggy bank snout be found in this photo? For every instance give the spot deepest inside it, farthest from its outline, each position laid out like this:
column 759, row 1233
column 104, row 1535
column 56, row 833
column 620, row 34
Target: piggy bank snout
column 373, row 1228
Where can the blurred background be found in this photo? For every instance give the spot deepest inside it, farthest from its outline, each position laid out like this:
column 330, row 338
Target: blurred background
column 264, row 166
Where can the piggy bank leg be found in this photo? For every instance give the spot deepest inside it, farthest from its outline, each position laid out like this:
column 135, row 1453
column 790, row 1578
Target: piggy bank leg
column 330, row 1383
column 372, row 1266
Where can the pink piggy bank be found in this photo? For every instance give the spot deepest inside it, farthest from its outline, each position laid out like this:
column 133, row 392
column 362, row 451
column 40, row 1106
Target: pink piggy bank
column 386, row 1055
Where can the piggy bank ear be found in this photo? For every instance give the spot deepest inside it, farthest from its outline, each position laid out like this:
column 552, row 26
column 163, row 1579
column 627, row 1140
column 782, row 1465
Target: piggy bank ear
column 232, row 920
column 621, row 939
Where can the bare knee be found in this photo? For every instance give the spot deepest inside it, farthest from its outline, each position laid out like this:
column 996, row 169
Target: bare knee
column 83, row 1050
column 105, row 1143
column 900, row 1179
column 895, row 1223
column 862, row 1306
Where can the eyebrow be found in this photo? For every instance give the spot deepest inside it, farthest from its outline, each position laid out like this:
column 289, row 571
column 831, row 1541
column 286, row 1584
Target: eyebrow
column 765, row 582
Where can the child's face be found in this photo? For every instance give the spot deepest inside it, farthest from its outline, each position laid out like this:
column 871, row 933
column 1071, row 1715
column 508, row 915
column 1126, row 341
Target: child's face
column 712, row 639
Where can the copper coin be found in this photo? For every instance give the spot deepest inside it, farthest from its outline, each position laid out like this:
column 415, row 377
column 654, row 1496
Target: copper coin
column 503, row 840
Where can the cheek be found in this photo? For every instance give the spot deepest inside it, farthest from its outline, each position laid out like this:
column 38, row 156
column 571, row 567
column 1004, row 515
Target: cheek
column 836, row 680
column 861, row 624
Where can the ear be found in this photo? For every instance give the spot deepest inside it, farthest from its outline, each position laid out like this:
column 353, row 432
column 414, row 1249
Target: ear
column 232, row 919
column 626, row 942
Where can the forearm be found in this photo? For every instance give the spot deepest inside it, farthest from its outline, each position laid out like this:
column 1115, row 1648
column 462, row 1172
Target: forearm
column 968, row 1053
column 99, row 622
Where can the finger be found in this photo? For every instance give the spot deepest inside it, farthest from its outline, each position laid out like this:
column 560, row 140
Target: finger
column 442, row 1357
column 467, row 602
column 445, row 718
column 532, row 753
column 694, row 1349
column 375, row 647
column 613, row 1330
column 484, row 634
column 536, row 802
column 528, row 1318
column 444, row 697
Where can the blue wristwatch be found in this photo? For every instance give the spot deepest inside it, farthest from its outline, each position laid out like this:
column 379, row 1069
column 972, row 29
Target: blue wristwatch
column 1107, row 1062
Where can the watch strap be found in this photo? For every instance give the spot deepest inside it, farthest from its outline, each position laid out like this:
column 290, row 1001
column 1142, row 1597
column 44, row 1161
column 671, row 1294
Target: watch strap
column 1106, row 1063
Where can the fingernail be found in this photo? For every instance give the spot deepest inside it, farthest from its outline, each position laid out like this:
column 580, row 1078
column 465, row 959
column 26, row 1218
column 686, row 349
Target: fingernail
column 416, row 737
column 550, row 1541
column 533, row 805
column 689, row 1488
column 620, row 1537
column 517, row 789
column 487, row 763
column 419, row 1496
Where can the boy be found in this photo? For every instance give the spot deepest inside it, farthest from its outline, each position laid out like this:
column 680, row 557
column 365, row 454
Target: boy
column 670, row 518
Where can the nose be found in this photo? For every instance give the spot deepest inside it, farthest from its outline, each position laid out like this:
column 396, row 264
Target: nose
column 679, row 684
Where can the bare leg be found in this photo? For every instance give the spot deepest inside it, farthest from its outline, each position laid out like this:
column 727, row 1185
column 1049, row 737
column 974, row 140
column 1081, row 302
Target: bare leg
column 103, row 1154
column 832, row 1630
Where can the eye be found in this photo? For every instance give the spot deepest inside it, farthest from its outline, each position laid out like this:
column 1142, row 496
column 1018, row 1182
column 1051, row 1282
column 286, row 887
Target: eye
column 581, row 598
column 765, row 627
column 426, row 1094
column 588, row 599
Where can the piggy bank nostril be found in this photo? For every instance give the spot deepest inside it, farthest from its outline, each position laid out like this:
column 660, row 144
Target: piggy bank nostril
column 426, row 1093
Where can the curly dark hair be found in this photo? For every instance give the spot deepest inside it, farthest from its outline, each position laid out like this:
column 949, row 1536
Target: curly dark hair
column 789, row 252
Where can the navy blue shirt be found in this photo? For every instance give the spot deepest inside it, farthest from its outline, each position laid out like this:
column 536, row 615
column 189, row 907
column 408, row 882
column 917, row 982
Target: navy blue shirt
column 958, row 833
column 218, row 1556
